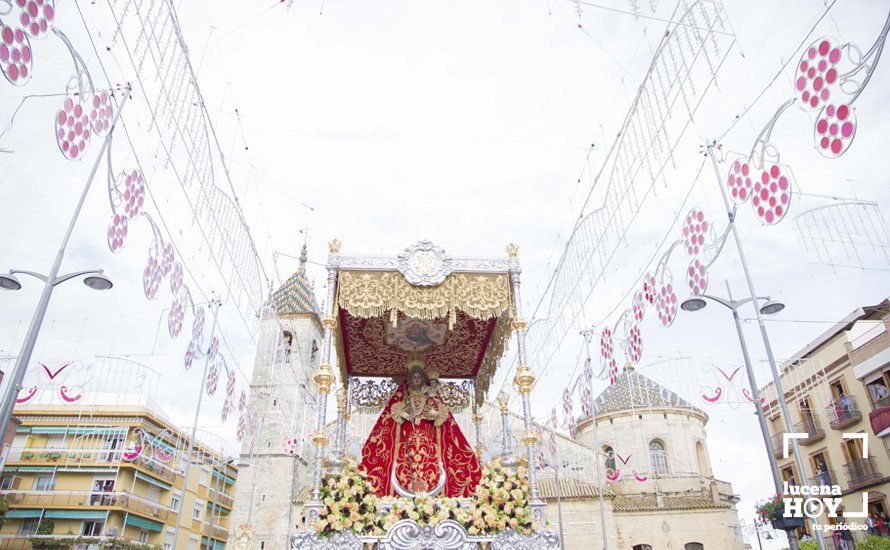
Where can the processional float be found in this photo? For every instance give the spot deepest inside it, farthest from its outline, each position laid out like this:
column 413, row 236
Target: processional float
column 417, row 336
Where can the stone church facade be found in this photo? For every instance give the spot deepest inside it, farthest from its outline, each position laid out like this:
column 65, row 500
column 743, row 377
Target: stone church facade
column 665, row 495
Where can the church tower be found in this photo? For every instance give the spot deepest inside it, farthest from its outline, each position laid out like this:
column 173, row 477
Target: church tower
column 288, row 351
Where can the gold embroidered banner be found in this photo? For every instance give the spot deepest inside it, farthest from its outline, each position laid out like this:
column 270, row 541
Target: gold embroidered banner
column 372, row 294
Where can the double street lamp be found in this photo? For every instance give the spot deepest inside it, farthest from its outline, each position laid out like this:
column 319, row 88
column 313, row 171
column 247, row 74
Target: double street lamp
column 768, row 307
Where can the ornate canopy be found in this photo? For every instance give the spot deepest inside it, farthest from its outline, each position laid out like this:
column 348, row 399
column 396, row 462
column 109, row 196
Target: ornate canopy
column 455, row 312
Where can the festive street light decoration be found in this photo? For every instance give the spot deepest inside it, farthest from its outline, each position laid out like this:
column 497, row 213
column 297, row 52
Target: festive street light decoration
column 772, row 194
column 694, row 230
column 816, row 77
column 697, row 277
column 116, row 235
column 835, row 129
column 15, row 55
column 36, row 16
column 634, row 345
column 740, row 182
column 101, row 112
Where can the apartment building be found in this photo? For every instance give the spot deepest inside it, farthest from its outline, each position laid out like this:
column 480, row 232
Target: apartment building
column 83, row 475
column 838, row 384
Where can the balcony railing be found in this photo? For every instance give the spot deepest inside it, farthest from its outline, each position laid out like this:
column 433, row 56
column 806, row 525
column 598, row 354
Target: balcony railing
column 827, row 477
column 73, row 499
column 879, row 417
column 22, row 542
column 219, row 532
column 861, row 473
column 811, row 426
column 843, row 413
column 75, row 457
column 221, row 498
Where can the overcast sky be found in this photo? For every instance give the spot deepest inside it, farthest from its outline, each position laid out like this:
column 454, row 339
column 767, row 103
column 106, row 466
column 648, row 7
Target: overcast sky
column 464, row 123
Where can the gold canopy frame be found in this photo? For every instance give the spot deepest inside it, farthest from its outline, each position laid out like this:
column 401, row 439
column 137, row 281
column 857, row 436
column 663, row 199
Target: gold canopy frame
column 478, row 299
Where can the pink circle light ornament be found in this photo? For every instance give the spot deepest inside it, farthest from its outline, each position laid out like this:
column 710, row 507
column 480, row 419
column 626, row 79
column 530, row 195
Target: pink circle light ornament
column 176, row 278
column 190, row 354
column 291, row 445
column 176, row 316
column 634, row 345
column 649, row 288
column 36, row 16
column 613, row 370
column 817, row 74
column 694, row 229
column 772, row 194
column 239, row 432
column 606, row 346
column 212, row 379
column 226, row 409
column 151, row 277
column 133, row 189
column 117, row 233
column 101, row 112
column 230, row 383
column 242, row 401
column 73, row 131
column 739, row 181
column 666, row 305
column 167, row 259
column 198, row 324
column 835, row 129
column 639, row 306
column 697, row 277
column 15, row 55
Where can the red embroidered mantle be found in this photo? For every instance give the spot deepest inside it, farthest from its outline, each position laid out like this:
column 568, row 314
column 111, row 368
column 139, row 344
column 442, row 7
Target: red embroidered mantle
column 420, row 448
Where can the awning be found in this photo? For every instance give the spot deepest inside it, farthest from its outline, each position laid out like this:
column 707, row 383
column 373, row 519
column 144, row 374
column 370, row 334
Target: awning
column 228, row 480
column 37, row 469
column 153, row 481
column 143, row 523
column 89, row 470
column 217, row 545
column 78, row 430
column 75, row 514
column 23, row 514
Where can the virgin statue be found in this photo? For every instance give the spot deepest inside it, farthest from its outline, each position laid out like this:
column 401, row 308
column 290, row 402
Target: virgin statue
column 416, row 447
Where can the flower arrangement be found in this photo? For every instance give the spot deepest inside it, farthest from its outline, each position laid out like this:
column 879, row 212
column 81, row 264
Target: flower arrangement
column 425, row 510
column 768, row 510
column 501, row 502
column 349, row 503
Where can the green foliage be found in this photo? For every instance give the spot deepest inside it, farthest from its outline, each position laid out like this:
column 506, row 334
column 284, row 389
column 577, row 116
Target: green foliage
column 874, row 543
column 4, row 507
column 808, row 545
column 46, row 527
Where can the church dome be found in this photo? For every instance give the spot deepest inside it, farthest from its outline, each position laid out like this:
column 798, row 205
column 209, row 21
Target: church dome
column 633, row 391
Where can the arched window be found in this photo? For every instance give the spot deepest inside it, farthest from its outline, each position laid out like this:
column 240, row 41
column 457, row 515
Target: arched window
column 693, row 546
column 658, row 457
column 313, row 353
column 288, row 338
column 610, row 458
column 642, row 547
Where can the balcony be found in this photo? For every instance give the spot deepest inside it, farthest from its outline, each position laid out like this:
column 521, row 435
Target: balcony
column 843, row 413
column 83, row 499
column 862, row 473
column 81, row 457
column 221, row 498
column 219, row 532
column 826, row 478
column 879, row 417
column 869, row 344
column 811, row 426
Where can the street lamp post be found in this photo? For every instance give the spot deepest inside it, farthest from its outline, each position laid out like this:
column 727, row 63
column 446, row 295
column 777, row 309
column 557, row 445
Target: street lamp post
column 95, row 279
column 777, row 381
column 695, row 304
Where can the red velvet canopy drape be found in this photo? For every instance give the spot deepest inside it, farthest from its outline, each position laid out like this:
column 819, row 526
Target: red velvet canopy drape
column 419, row 451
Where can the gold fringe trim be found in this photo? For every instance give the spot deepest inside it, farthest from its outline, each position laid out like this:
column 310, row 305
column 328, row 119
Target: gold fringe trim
column 371, row 294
